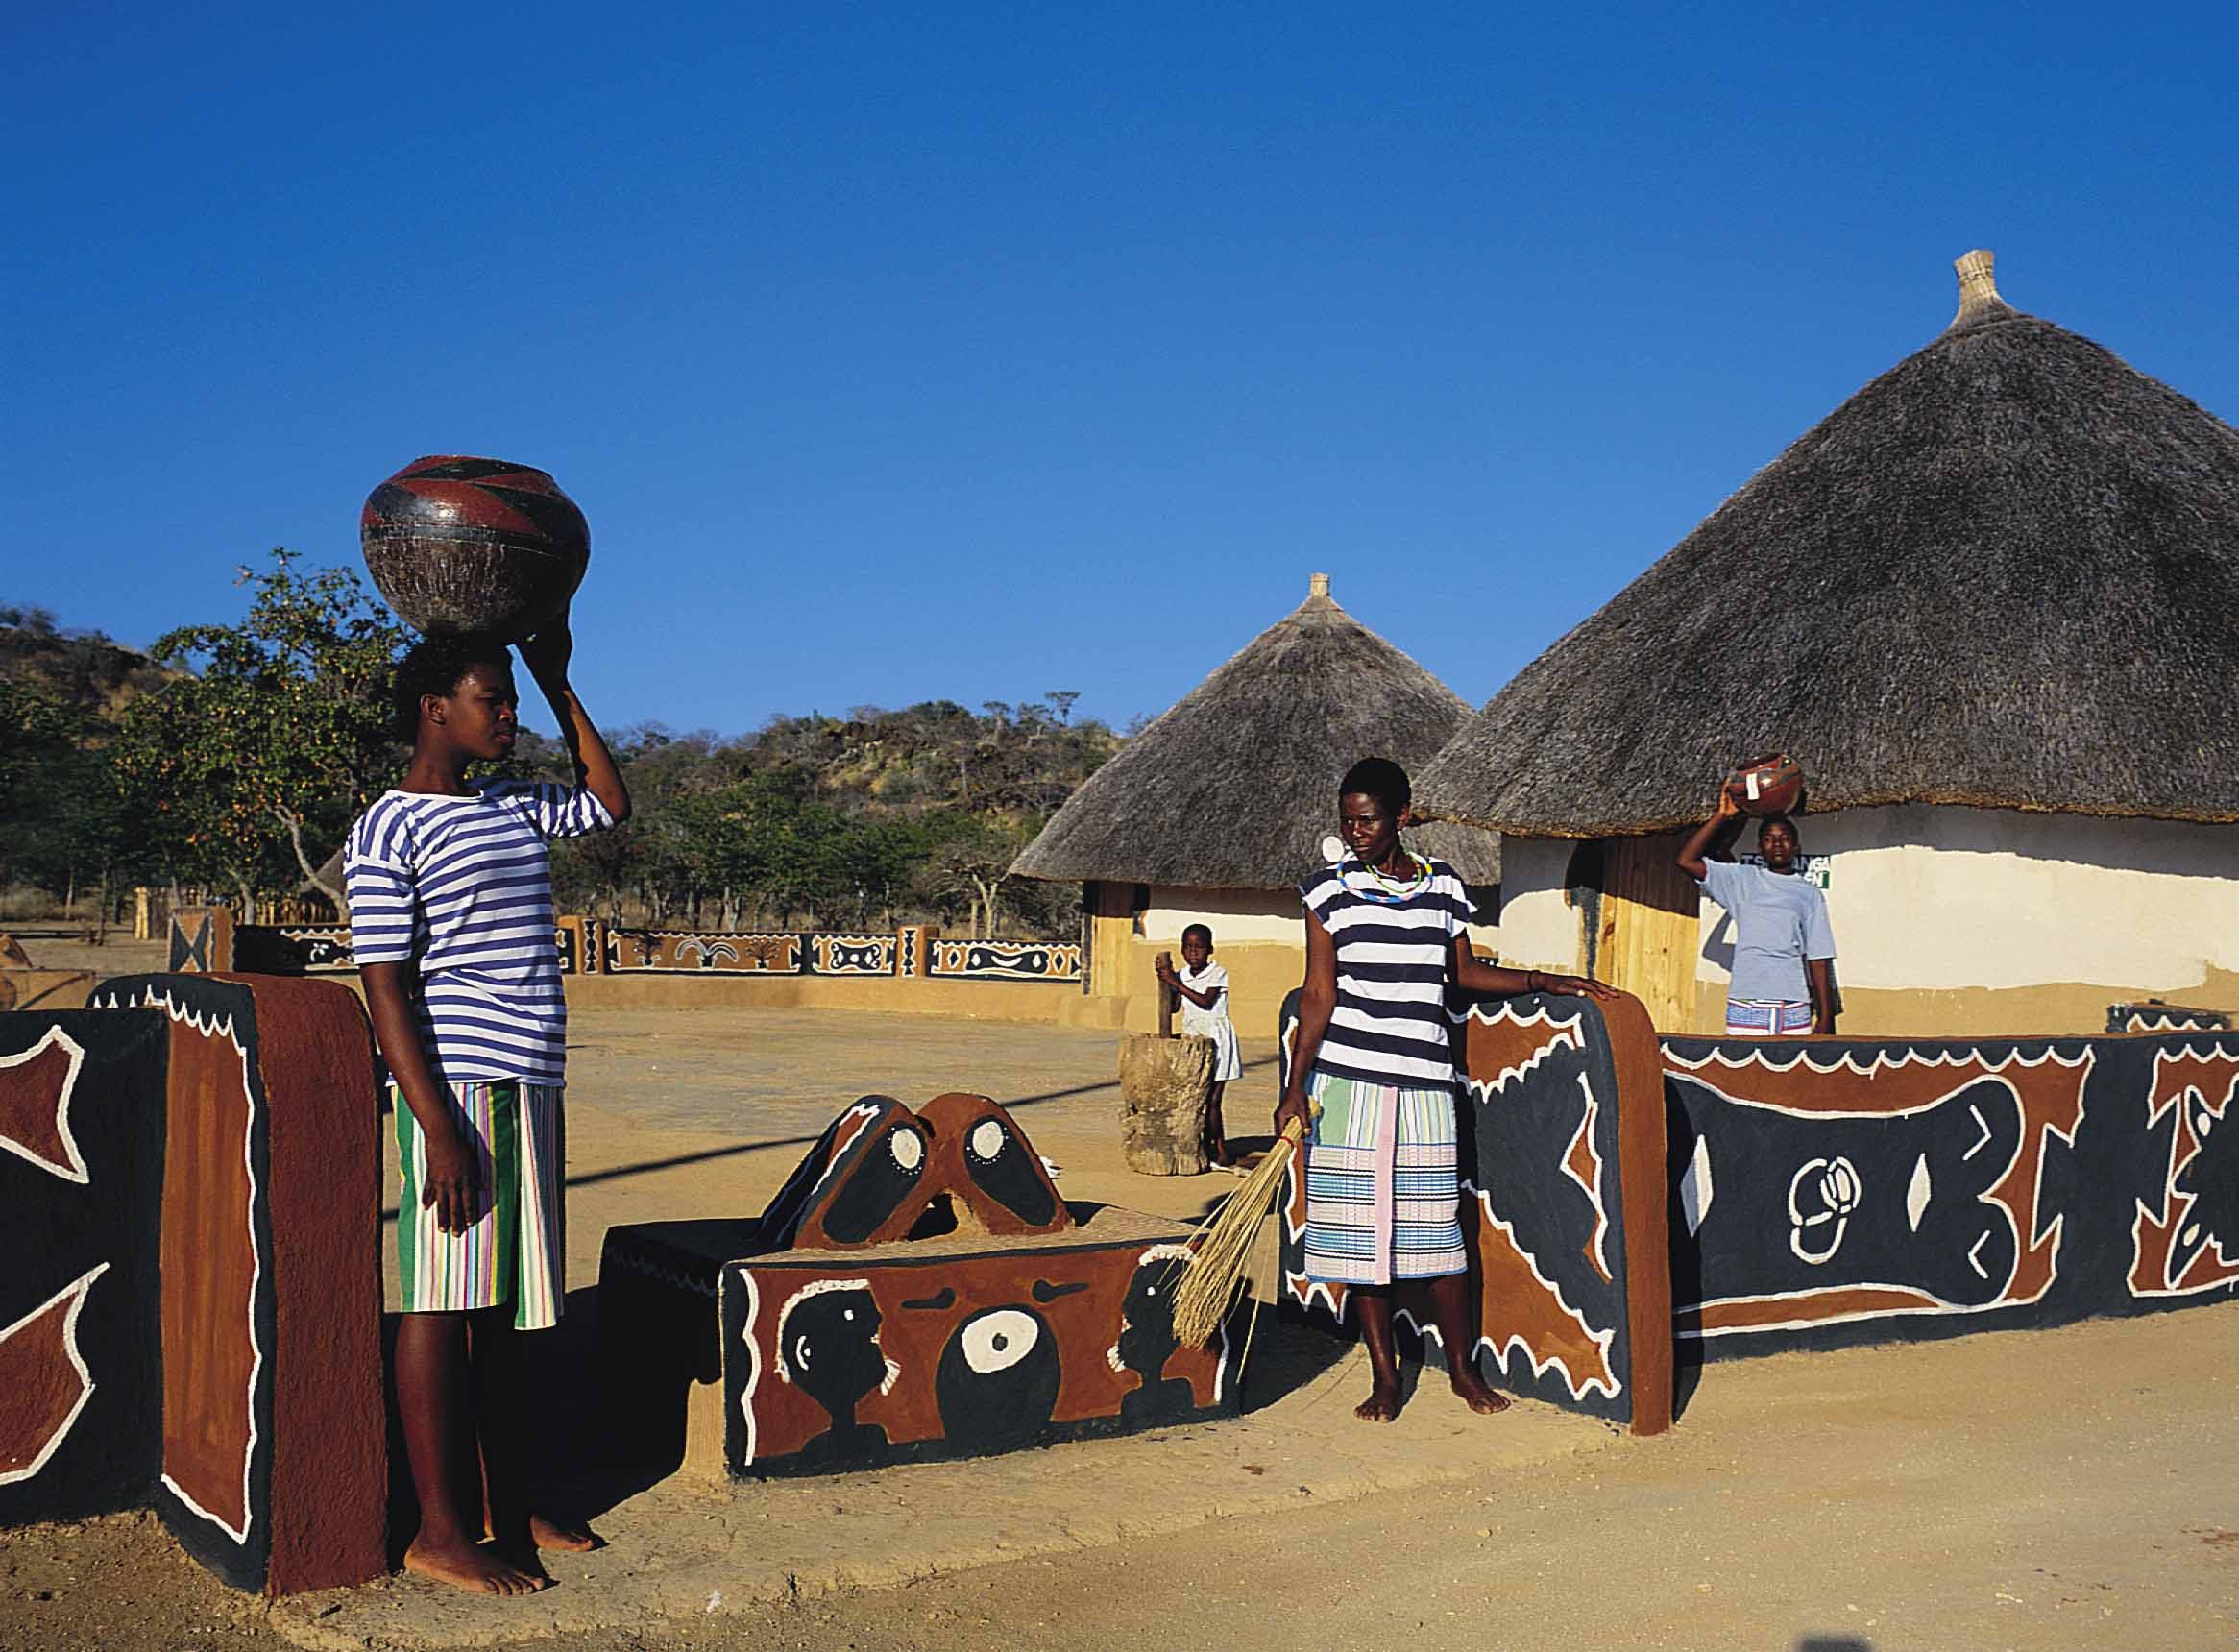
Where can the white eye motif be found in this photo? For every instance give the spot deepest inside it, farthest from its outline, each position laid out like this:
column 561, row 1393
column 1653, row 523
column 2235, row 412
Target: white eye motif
column 986, row 1139
column 999, row 1340
column 800, row 1353
column 908, row 1149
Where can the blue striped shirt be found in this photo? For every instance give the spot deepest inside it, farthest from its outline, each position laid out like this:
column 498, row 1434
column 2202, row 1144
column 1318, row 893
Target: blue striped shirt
column 462, row 887
column 1392, row 959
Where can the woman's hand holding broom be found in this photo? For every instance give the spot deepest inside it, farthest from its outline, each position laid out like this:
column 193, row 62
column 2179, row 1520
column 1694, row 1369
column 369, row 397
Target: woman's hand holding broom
column 1223, row 1241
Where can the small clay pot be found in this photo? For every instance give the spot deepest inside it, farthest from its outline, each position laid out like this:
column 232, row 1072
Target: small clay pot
column 463, row 544
column 1767, row 785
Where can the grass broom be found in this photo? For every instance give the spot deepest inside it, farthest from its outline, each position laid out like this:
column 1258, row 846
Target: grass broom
column 1223, row 1242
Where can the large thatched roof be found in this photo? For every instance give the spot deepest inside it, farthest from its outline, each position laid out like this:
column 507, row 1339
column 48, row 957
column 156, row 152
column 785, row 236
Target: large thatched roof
column 1235, row 786
column 2004, row 574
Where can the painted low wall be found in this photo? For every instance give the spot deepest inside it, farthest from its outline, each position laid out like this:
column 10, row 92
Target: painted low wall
column 189, row 1187
column 848, row 1326
column 913, row 970
column 1835, row 1191
column 1629, row 1200
column 1039, row 1001
column 1956, row 920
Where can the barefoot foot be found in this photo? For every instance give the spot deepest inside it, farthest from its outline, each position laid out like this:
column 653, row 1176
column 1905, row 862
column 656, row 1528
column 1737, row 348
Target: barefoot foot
column 1382, row 1405
column 470, row 1567
column 1474, row 1394
column 561, row 1537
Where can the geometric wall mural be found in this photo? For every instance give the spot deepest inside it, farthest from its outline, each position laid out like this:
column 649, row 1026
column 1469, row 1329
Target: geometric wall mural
column 189, row 1180
column 1831, row 1191
column 918, row 1288
column 80, row 1182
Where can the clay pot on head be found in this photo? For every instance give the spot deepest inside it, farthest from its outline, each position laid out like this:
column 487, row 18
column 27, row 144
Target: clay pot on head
column 481, row 545
column 1767, row 785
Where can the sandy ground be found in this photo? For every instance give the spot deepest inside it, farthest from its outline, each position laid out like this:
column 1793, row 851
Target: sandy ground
column 2069, row 1488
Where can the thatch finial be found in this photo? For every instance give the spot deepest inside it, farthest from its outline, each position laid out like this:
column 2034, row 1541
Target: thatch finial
column 1317, row 585
column 1977, row 287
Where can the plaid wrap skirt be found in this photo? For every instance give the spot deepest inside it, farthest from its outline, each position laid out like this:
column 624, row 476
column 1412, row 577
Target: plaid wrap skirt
column 1383, row 1190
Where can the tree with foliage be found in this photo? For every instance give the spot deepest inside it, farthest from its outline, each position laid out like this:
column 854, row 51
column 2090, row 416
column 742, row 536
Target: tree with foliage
column 60, row 692
column 250, row 766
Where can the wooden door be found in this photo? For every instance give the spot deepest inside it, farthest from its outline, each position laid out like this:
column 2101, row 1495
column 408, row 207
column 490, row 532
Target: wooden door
column 1650, row 928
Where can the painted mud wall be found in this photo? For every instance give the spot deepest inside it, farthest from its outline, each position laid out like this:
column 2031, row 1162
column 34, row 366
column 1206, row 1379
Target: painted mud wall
column 1736, row 1197
column 82, row 1100
column 1960, row 920
column 1840, row 1191
column 198, row 1155
column 1561, row 1127
column 916, row 1288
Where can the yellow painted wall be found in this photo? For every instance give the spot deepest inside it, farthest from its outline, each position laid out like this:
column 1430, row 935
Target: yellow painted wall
column 964, row 1000
column 1258, row 977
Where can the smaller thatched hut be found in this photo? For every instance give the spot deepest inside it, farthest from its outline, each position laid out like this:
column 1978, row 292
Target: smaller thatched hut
column 1991, row 604
column 1215, row 810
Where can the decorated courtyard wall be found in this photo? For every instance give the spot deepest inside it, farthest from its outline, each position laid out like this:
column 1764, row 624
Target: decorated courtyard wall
column 918, row 1288
column 189, row 1190
column 1958, row 920
column 915, row 969
column 1630, row 1202
column 1836, row 1191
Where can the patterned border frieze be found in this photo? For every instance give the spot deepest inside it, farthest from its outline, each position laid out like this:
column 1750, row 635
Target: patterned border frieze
column 1006, row 960
column 853, row 955
column 688, row 952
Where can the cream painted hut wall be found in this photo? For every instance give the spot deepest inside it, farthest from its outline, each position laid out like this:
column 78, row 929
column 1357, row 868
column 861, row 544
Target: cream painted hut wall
column 1968, row 920
column 1235, row 916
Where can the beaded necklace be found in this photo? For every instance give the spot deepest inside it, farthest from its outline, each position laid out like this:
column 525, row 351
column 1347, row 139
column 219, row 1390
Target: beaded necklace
column 1394, row 891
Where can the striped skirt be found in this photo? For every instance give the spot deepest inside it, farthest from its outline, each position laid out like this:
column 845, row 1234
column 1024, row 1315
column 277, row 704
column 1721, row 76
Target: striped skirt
column 516, row 1251
column 1383, row 1193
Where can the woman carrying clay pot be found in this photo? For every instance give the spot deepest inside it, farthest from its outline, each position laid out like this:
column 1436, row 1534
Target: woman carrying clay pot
column 1371, row 1079
column 1783, row 947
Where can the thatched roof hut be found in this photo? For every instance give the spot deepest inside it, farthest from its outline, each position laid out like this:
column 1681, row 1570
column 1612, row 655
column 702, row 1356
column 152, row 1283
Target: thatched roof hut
column 2005, row 574
column 1234, row 787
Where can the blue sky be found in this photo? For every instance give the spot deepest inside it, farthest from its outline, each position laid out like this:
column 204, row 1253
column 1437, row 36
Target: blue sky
column 974, row 351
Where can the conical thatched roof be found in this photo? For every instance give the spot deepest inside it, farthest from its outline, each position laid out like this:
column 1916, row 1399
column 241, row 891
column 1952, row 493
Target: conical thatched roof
column 1235, row 786
column 2004, row 573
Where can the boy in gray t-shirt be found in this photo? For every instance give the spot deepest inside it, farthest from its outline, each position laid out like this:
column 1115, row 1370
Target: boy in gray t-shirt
column 1783, row 947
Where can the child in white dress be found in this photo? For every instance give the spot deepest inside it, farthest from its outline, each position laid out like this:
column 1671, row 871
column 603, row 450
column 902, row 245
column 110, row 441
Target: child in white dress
column 1204, row 985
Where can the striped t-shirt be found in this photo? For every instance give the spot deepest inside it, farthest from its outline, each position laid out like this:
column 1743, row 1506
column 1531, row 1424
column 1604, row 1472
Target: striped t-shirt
column 1394, row 955
column 462, row 887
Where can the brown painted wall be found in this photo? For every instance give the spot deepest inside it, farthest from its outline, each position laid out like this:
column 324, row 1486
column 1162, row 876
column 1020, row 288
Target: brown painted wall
column 329, row 1462
column 210, row 1270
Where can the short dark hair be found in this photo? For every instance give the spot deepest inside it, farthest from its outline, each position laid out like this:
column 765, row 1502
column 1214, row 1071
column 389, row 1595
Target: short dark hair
column 1383, row 779
column 436, row 665
column 1772, row 821
column 1206, row 929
